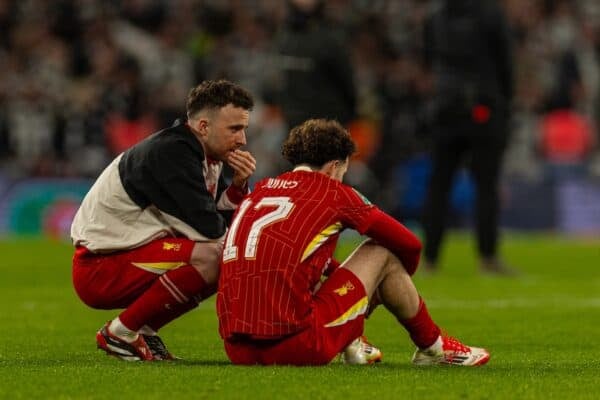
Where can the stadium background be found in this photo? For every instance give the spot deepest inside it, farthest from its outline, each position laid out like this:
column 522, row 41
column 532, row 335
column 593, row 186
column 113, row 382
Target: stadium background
column 80, row 80
column 83, row 80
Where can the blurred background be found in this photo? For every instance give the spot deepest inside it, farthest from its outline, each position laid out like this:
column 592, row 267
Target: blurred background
column 82, row 80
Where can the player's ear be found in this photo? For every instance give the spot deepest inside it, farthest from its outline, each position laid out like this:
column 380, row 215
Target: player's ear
column 201, row 125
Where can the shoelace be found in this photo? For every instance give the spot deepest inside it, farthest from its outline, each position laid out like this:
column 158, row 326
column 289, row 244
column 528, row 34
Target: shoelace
column 367, row 347
column 156, row 345
column 452, row 344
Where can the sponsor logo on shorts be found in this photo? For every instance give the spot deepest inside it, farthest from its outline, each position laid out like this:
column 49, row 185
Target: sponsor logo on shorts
column 344, row 289
column 171, row 246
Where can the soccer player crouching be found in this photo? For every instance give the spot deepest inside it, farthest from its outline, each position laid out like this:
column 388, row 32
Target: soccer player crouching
column 282, row 238
column 148, row 234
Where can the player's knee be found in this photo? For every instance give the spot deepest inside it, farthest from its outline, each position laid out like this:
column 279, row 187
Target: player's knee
column 375, row 249
column 205, row 259
column 379, row 254
column 389, row 264
column 189, row 283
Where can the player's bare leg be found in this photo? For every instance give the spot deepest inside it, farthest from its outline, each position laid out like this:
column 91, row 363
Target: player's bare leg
column 380, row 271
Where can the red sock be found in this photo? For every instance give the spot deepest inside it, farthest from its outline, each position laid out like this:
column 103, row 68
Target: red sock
column 421, row 328
column 174, row 293
column 161, row 319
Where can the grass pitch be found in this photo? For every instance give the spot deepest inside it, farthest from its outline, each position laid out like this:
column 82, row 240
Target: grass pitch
column 541, row 327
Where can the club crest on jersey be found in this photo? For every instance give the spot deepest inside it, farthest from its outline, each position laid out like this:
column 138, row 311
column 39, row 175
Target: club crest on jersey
column 362, row 197
column 171, row 246
column 344, row 289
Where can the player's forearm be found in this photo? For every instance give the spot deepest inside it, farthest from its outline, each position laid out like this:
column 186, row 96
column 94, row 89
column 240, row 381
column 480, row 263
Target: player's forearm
column 397, row 238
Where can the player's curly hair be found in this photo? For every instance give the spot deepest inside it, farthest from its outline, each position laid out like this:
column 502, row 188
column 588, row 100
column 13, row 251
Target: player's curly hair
column 316, row 142
column 217, row 94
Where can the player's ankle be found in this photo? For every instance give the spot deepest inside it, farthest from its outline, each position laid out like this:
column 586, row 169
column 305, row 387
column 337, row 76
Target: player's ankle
column 436, row 346
column 146, row 330
column 118, row 329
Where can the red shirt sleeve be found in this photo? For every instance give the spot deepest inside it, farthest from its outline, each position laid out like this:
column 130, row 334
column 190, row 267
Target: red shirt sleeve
column 395, row 237
column 236, row 194
column 354, row 209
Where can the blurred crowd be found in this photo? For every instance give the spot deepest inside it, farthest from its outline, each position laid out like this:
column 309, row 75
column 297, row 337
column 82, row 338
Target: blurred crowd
column 81, row 80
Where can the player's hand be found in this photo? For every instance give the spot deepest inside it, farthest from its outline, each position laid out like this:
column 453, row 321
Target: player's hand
column 243, row 165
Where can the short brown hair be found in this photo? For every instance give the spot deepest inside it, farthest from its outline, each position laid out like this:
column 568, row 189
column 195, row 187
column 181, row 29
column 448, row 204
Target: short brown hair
column 316, row 142
column 217, row 94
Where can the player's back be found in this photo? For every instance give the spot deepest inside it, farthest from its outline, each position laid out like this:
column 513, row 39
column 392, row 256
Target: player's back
column 279, row 243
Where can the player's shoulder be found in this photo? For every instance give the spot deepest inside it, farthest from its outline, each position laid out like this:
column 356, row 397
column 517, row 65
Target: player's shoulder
column 355, row 195
column 173, row 141
column 176, row 135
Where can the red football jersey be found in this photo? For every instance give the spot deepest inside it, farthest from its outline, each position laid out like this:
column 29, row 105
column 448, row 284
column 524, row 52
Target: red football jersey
column 280, row 241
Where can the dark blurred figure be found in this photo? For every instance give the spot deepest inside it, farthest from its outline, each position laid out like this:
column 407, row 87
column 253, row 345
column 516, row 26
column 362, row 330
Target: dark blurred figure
column 317, row 71
column 468, row 50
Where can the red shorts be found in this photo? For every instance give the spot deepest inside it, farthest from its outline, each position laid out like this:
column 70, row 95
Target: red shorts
column 115, row 280
column 338, row 314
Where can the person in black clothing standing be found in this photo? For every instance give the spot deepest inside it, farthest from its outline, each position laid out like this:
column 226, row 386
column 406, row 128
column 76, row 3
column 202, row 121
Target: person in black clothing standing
column 317, row 74
column 467, row 47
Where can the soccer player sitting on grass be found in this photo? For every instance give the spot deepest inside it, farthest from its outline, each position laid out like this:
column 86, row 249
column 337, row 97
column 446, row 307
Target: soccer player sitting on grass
column 271, row 306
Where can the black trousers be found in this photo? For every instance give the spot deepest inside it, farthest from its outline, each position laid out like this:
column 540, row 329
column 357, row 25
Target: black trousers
column 481, row 146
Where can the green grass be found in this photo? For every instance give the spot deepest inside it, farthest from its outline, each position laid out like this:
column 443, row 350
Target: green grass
column 542, row 328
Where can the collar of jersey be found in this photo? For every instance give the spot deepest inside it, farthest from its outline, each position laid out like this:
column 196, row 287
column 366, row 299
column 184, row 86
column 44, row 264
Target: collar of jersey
column 302, row 168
